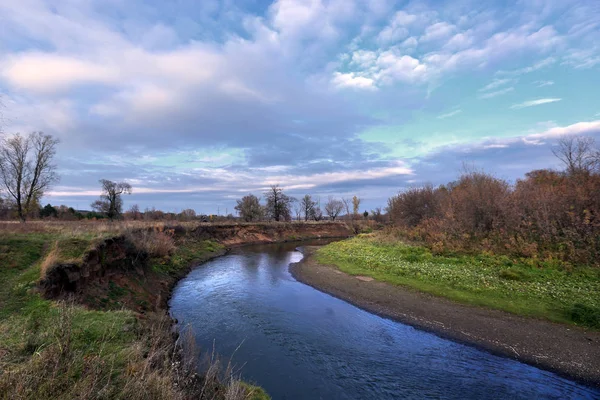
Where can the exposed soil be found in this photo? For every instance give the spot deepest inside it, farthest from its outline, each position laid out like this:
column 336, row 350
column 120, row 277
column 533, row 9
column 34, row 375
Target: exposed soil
column 114, row 275
column 570, row 351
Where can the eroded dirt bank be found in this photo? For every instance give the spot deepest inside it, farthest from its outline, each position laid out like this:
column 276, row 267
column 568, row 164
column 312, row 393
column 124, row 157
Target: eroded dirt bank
column 114, row 273
column 570, row 351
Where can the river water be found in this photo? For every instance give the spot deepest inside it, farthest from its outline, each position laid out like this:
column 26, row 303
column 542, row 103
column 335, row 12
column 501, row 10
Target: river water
column 299, row 343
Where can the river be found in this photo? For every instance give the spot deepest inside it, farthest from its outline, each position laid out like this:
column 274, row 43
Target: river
column 299, row 343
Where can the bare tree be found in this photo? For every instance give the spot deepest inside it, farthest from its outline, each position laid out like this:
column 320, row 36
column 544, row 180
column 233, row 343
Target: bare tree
column 308, row 207
column 578, row 153
column 298, row 210
column 249, row 208
column 278, row 204
column 355, row 206
column 333, row 207
column 110, row 202
column 377, row 215
column 26, row 169
column 347, row 203
column 187, row 215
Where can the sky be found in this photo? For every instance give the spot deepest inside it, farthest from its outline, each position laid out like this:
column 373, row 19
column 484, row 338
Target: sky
column 197, row 103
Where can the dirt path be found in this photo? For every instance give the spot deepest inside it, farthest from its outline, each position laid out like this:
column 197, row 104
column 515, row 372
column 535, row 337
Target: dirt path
column 570, row 351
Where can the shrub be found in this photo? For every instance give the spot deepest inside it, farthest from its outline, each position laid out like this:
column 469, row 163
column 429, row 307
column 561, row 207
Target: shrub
column 156, row 243
column 586, row 315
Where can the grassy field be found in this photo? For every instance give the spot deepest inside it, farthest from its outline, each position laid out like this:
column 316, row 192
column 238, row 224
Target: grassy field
column 531, row 287
column 65, row 350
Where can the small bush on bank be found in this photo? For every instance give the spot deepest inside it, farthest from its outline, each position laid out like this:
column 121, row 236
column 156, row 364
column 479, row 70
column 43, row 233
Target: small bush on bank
column 156, row 243
column 586, row 315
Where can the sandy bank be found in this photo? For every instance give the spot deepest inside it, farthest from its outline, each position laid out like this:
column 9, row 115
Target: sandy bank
column 570, row 351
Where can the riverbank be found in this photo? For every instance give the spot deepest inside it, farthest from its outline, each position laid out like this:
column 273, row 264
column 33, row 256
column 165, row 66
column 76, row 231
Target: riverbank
column 571, row 351
column 83, row 307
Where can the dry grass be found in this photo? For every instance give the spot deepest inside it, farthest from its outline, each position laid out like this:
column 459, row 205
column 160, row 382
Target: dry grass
column 103, row 228
column 152, row 366
column 156, row 243
column 51, row 259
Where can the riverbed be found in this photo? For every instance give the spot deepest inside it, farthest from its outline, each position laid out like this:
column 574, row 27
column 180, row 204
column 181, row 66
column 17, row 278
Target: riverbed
column 299, row 343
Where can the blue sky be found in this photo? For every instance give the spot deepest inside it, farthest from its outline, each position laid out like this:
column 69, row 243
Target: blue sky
column 198, row 103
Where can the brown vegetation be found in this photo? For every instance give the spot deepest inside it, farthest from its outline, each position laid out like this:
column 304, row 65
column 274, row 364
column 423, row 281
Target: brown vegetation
column 546, row 214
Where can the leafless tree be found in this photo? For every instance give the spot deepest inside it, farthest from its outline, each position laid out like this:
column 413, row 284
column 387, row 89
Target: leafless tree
column 347, row 204
column 355, row 206
column 187, row 215
column 308, row 207
column 26, row 169
column 278, row 204
column 110, row 202
column 377, row 214
column 578, row 153
column 298, row 210
column 333, row 207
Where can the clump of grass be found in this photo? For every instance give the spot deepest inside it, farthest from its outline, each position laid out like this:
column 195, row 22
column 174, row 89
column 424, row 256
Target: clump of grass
column 586, row 315
column 156, row 243
column 547, row 289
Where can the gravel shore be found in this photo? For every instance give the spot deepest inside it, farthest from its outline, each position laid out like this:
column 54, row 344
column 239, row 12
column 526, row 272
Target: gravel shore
column 570, row 351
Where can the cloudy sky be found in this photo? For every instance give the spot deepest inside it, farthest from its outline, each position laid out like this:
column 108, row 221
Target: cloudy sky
column 196, row 103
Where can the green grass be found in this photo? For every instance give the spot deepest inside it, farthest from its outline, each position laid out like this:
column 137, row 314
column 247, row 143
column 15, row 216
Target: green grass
column 54, row 350
column 530, row 287
column 188, row 251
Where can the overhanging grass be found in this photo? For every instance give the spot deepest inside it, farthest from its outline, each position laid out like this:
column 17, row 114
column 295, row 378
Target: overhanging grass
column 530, row 287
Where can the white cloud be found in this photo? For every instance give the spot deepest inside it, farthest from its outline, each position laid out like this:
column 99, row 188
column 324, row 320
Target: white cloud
column 438, row 31
column 47, row 73
column 398, row 28
column 583, row 58
column 310, row 181
column 449, row 114
column 537, row 66
column 543, row 83
column 341, row 80
column 580, row 128
column 496, row 93
column 495, row 84
column 532, row 103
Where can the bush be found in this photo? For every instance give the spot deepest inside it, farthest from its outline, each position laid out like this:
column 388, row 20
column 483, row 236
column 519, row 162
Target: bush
column 547, row 214
column 586, row 315
column 156, row 243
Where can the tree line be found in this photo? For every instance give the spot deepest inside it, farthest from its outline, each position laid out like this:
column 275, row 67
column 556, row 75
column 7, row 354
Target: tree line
column 27, row 171
column 280, row 207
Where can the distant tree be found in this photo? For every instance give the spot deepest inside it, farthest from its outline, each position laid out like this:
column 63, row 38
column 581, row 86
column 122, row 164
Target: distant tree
column 48, row 211
column 308, row 207
column 578, row 153
column 134, row 213
column 249, row 208
column 298, row 210
column 187, row 214
column 278, row 204
column 347, row 203
column 333, row 207
column 355, row 205
column 26, row 169
column 366, row 214
column 110, row 202
column 377, row 214
column 317, row 214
